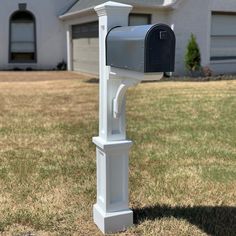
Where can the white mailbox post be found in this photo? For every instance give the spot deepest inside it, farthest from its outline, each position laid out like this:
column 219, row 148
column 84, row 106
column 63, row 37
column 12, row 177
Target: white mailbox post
column 131, row 52
column 111, row 212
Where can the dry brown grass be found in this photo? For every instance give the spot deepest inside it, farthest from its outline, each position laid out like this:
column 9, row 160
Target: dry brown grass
column 182, row 164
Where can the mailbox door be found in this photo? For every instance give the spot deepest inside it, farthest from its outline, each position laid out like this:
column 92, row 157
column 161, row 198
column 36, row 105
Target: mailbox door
column 160, row 46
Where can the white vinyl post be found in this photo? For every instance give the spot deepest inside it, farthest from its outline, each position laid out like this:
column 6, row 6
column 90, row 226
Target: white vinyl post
column 111, row 212
column 69, row 47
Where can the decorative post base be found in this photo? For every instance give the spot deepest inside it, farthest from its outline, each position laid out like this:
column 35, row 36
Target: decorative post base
column 112, row 222
column 111, row 212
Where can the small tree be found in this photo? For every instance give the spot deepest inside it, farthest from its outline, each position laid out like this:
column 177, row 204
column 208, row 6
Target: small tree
column 193, row 56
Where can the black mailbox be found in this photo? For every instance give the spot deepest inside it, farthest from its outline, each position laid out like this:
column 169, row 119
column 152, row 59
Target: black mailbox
column 146, row 48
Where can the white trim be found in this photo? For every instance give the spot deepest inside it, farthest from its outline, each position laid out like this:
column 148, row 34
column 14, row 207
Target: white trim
column 69, row 48
column 76, row 13
column 110, row 145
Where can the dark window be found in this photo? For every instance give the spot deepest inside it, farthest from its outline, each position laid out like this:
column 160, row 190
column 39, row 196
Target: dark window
column 22, row 45
column 139, row 19
column 88, row 30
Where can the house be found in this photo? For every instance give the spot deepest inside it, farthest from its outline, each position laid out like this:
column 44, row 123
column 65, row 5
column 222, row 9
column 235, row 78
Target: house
column 41, row 34
column 213, row 22
column 31, row 34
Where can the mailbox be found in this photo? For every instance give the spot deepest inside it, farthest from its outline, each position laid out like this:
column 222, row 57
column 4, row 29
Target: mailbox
column 145, row 48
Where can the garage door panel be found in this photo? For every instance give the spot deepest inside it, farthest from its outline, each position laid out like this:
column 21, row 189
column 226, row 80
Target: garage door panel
column 86, row 48
column 82, row 51
column 86, row 55
column 223, row 36
column 85, row 43
column 222, row 52
column 89, row 41
column 83, row 55
column 223, row 24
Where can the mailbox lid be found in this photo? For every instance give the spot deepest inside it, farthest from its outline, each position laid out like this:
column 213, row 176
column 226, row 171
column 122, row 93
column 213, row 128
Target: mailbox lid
column 126, row 47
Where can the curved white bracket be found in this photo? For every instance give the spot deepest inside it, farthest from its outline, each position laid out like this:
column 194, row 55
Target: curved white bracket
column 120, row 95
column 130, row 78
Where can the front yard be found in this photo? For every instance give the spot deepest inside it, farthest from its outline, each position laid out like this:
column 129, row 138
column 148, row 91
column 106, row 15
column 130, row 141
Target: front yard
column 182, row 163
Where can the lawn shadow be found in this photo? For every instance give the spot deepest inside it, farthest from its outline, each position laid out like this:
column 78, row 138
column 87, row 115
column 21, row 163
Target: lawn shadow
column 92, row 81
column 212, row 220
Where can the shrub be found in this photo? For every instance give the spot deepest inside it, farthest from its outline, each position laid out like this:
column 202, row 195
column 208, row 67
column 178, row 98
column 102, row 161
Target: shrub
column 61, row 66
column 206, row 71
column 193, row 56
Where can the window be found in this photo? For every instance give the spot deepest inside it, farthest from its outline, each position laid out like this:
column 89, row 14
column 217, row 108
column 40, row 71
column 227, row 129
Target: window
column 22, row 45
column 139, row 19
column 223, row 36
column 87, row 30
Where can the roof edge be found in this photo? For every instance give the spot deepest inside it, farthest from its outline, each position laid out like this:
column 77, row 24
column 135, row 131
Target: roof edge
column 167, row 4
column 71, row 15
column 69, row 7
column 171, row 3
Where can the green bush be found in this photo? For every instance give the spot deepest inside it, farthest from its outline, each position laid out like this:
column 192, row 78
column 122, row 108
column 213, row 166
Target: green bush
column 192, row 56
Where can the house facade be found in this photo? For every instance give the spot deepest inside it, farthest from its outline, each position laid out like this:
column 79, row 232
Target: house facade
column 31, row 34
column 213, row 22
column 40, row 34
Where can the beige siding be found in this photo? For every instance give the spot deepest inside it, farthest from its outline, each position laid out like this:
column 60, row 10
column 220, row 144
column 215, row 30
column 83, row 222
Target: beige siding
column 86, row 55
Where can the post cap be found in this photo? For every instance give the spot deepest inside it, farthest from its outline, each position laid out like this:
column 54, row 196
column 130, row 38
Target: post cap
column 110, row 6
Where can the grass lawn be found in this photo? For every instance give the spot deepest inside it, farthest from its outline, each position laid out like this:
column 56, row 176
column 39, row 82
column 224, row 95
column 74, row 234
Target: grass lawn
column 182, row 163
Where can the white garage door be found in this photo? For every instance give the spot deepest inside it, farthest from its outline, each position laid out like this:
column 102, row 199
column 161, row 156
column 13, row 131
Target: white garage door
column 85, row 48
column 223, row 36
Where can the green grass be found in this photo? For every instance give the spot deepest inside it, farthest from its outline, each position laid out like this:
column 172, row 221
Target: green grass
column 182, row 163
